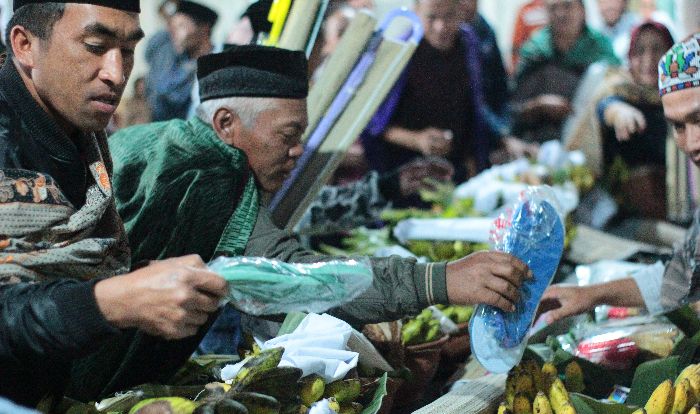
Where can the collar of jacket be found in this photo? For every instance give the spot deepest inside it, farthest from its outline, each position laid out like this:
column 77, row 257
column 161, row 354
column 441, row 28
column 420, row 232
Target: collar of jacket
column 61, row 157
column 44, row 128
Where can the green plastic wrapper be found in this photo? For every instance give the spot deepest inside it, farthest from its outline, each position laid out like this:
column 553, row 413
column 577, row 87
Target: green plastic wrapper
column 260, row 286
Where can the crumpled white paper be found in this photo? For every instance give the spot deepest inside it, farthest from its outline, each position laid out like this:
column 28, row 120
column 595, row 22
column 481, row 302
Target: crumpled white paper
column 317, row 346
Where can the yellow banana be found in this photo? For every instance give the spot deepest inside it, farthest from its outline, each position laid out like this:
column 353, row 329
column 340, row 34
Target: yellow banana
column 541, row 404
column 684, row 398
column 694, row 410
column 661, row 400
column 503, row 408
column 568, row 408
column 525, row 384
column 558, row 396
column 312, row 388
column 521, row 404
column 694, row 380
column 574, row 377
column 640, row 411
column 536, row 373
column 334, row 405
column 510, row 391
column 687, row 371
column 549, row 370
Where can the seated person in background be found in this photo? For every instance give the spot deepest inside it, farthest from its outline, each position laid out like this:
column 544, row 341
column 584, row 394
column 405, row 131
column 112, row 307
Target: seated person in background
column 623, row 130
column 196, row 186
column 434, row 108
column 172, row 67
column 679, row 282
column 531, row 17
column 495, row 111
column 616, row 23
column 551, row 65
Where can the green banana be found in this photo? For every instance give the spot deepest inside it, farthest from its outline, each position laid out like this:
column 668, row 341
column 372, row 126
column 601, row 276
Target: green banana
column 352, row 408
column 262, row 362
column 281, row 383
column 344, row 391
column 574, row 377
column 229, row 406
column 258, row 403
column 312, row 388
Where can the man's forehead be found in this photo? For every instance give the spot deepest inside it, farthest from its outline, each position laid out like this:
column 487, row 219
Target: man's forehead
column 680, row 105
column 103, row 21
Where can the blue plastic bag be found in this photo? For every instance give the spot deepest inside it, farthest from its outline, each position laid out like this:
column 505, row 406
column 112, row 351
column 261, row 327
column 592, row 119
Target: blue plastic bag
column 534, row 233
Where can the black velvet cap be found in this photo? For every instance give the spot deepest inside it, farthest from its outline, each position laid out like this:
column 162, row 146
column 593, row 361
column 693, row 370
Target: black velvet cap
column 253, row 71
column 198, row 12
column 126, row 5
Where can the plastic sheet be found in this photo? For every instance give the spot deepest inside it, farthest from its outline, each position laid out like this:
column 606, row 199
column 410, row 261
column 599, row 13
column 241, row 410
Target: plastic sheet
column 534, row 233
column 260, row 286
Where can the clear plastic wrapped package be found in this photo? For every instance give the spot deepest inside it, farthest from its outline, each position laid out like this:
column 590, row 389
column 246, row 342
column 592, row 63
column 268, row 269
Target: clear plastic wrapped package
column 260, row 286
column 533, row 231
column 619, row 344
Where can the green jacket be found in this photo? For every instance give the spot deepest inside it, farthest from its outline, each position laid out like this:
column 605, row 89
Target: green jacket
column 178, row 178
column 590, row 47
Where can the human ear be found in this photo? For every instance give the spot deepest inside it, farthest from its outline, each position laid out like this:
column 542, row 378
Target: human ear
column 23, row 45
column 228, row 126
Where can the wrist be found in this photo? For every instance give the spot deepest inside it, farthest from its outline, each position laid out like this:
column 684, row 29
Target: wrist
column 109, row 295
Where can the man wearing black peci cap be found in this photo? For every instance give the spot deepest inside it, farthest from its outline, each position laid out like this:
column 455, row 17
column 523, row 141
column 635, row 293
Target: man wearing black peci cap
column 173, row 67
column 65, row 286
column 195, row 186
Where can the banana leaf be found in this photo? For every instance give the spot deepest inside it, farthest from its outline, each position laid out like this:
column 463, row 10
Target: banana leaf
column 587, row 405
column 376, row 404
column 686, row 320
column 686, row 349
column 649, row 375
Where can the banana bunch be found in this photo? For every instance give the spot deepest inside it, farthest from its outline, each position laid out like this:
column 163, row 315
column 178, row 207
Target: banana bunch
column 424, row 328
column 678, row 397
column 539, row 390
column 341, row 395
column 458, row 314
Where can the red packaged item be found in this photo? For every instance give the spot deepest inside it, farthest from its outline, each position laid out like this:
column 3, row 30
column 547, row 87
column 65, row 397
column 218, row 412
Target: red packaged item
column 609, row 351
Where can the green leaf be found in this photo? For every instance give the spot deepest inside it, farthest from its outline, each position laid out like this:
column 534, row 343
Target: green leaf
column 686, row 320
column 599, row 380
column 649, row 375
column 686, row 349
column 291, row 322
column 376, row 404
column 587, row 405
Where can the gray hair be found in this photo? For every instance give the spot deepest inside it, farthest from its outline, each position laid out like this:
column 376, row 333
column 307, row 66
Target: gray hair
column 248, row 109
